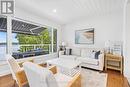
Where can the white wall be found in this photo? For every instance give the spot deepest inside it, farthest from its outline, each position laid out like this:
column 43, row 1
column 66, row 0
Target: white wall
column 107, row 27
column 127, row 57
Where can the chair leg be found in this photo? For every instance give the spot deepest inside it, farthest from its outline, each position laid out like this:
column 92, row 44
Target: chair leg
column 14, row 83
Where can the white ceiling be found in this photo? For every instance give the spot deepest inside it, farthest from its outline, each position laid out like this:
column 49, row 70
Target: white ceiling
column 68, row 10
column 128, row 1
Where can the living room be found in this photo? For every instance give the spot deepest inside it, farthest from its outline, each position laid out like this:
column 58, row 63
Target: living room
column 86, row 42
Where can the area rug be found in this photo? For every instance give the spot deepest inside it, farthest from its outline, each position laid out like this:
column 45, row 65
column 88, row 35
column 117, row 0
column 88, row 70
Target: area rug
column 92, row 78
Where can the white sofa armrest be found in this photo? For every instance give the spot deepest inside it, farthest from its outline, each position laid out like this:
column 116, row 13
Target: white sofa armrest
column 101, row 61
column 61, row 53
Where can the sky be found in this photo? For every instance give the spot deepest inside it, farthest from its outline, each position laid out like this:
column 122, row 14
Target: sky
column 3, row 37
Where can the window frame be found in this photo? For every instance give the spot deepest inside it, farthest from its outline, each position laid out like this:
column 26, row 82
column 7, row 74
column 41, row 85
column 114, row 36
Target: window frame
column 9, row 32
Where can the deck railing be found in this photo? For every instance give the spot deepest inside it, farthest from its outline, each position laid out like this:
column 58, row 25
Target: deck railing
column 28, row 47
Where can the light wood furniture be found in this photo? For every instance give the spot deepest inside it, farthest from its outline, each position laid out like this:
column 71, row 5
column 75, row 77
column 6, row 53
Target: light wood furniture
column 21, row 63
column 18, row 72
column 37, row 76
column 22, row 79
column 76, row 81
column 114, row 62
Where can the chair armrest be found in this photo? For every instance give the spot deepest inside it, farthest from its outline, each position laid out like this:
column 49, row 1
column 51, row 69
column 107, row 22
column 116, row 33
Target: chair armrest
column 21, row 63
column 76, row 81
column 101, row 61
column 101, row 57
column 61, row 53
column 53, row 69
column 43, row 64
column 21, row 78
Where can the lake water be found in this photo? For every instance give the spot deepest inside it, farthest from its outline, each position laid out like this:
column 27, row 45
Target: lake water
column 3, row 51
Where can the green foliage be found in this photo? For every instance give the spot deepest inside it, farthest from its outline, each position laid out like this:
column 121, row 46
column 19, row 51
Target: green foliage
column 55, row 36
column 43, row 38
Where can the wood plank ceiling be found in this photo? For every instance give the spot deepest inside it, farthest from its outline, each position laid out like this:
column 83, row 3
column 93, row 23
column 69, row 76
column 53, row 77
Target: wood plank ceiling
column 68, row 10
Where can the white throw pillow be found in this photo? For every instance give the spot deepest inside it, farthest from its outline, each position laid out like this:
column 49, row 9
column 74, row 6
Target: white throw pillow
column 92, row 55
column 86, row 53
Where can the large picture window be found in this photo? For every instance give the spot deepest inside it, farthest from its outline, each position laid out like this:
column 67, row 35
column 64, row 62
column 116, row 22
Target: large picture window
column 28, row 39
column 25, row 45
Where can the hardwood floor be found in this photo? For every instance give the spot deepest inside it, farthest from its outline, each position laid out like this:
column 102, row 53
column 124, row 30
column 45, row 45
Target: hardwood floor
column 115, row 79
column 6, row 81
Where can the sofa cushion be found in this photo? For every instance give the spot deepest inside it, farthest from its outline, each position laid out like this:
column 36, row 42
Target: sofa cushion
column 88, row 60
column 86, row 53
column 76, row 51
column 92, row 55
column 68, row 57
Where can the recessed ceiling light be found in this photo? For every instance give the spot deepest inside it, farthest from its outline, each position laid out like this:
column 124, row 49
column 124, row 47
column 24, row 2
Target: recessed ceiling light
column 54, row 10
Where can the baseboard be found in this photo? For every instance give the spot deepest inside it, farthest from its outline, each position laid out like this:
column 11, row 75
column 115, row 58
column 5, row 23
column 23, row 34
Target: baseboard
column 128, row 82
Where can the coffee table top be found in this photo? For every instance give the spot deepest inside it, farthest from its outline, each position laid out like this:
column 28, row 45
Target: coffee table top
column 66, row 63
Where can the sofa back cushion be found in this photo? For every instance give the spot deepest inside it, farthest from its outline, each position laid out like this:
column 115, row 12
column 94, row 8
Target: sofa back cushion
column 91, row 52
column 86, row 53
column 76, row 51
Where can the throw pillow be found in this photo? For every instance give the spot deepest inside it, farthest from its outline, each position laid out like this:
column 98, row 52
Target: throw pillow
column 68, row 51
column 97, row 54
column 93, row 55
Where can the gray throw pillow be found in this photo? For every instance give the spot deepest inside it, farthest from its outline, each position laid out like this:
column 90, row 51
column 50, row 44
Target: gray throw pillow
column 97, row 54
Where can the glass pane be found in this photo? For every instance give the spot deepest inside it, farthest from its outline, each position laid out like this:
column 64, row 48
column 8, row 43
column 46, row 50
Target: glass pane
column 54, row 40
column 3, row 42
column 27, row 45
column 3, row 45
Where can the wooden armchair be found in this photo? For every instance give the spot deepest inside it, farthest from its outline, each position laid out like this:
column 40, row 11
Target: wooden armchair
column 17, row 70
column 21, row 63
column 43, row 77
column 22, row 79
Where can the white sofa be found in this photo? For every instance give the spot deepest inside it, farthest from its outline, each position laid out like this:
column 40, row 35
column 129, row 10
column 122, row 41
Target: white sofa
column 85, row 56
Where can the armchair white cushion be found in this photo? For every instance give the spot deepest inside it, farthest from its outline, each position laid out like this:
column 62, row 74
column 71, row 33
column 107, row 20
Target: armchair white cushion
column 38, row 76
column 42, row 77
